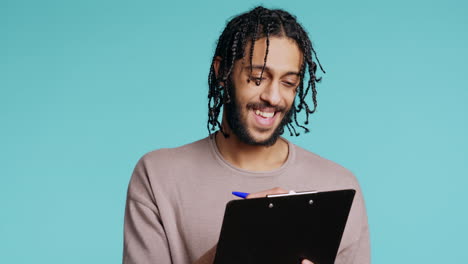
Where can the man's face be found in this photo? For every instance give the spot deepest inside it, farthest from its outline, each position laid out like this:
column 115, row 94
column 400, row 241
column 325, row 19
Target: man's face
column 257, row 113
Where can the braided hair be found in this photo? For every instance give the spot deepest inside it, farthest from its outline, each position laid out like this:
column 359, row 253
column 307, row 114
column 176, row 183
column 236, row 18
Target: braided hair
column 258, row 23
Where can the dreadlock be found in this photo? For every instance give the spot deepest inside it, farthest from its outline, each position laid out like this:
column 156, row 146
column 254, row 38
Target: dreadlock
column 258, row 23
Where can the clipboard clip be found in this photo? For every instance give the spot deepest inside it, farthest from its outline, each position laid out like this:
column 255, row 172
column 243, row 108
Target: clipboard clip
column 290, row 193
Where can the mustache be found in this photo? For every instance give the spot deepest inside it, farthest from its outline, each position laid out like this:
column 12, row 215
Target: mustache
column 261, row 106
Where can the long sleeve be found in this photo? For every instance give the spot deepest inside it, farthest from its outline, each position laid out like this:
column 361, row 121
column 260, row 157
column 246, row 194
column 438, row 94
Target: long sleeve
column 176, row 199
column 145, row 239
column 357, row 252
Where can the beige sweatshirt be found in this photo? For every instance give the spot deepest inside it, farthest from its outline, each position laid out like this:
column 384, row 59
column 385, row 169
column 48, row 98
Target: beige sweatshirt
column 176, row 200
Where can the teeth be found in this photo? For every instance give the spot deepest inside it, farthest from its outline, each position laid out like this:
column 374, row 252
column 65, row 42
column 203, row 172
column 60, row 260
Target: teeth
column 264, row 114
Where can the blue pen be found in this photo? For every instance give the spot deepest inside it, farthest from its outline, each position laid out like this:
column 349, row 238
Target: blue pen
column 241, row 194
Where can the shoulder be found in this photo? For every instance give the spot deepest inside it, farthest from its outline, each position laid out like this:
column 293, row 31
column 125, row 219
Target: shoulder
column 160, row 167
column 323, row 168
column 164, row 162
column 307, row 157
column 167, row 157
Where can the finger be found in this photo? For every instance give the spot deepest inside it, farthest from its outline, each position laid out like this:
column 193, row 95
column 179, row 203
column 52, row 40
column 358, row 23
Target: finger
column 208, row 257
column 305, row 261
column 276, row 190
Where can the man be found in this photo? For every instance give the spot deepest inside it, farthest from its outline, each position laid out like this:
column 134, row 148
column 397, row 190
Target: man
column 263, row 74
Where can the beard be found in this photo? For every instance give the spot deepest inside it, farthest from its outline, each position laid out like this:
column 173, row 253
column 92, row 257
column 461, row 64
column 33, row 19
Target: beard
column 238, row 125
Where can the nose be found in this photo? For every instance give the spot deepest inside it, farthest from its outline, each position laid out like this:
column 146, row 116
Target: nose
column 271, row 93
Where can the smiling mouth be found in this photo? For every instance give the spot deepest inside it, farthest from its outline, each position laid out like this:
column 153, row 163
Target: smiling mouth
column 265, row 114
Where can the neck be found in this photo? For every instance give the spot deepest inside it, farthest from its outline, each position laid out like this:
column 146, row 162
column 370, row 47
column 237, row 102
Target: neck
column 251, row 157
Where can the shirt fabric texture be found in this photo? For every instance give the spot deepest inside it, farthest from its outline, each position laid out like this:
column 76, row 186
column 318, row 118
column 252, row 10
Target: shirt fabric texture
column 176, row 200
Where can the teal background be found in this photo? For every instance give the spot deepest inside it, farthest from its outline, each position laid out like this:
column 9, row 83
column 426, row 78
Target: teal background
column 88, row 87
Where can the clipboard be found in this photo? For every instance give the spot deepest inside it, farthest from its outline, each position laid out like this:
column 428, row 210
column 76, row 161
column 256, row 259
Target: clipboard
column 285, row 228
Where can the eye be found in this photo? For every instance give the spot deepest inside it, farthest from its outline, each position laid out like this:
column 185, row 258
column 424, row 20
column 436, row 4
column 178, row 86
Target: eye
column 256, row 79
column 289, row 84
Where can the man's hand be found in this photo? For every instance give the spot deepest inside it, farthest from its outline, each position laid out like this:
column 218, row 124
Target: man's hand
column 276, row 190
column 208, row 257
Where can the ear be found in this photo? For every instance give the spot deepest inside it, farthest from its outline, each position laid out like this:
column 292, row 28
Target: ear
column 216, row 64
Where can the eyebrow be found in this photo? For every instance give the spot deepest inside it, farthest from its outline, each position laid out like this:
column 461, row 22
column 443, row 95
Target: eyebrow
column 260, row 67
